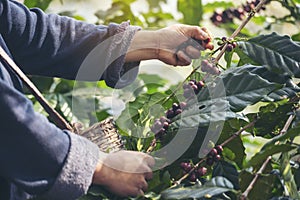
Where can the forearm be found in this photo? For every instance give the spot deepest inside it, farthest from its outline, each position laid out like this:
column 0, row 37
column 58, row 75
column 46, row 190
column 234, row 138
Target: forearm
column 56, row 46
column 144, row 46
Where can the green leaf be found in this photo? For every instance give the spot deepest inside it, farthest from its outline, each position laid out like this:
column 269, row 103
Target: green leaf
column 240, row 89
column 141, row 109
column 280, row 53
column 288, row 176
column 296, row 37
column 191, row 10
column 262, row 155
column 210, row 7
column 234, row 150
column 263, row 187
column 215, row 186
column 270, row 119
column 203, row 113
column 291, row 134
column 228, row 59
column 227, row 170
column 42, row 4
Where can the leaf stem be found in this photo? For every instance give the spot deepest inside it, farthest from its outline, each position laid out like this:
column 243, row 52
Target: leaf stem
column 238, row 30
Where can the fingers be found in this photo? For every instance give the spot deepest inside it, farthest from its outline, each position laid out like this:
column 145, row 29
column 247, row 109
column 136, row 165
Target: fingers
column 148, row 176
column 183, row 59
column 149, row 160
column 192, row 52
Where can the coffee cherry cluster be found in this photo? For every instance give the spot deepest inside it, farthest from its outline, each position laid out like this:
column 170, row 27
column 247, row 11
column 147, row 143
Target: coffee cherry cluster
column 175, row 110
column 230, row 44
column 209, row 67
column 160, row 126
column 227, row 16
column 193, row 87
column 214, row 155
column 196, row 174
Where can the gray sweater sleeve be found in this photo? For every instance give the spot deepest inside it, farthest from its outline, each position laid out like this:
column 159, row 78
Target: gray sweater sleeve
column 76, row 174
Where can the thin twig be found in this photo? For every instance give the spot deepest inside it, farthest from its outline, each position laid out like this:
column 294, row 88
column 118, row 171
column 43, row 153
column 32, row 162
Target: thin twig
column 239, row 132
column 287, row 124
column 257, row 175
column 263, row 167
column 189, row 173
column 236, row 134
column 152, row 146
column 238, row 30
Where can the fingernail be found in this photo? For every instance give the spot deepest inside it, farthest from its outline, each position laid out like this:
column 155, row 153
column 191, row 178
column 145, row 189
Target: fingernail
column 205, row 35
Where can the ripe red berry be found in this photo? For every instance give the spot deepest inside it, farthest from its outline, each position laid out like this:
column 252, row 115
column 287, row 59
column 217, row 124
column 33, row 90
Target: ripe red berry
column 234, row 44
column 166, row 125
column 170, row 114
column 186, row 166
column 193, row 177
column 219, row 148
column 229, row 47
column 200, row 84
column 178, row 111
column 175, row 106
column 217, row 158
column 213, row 152
column 202, row 171
column 194, row 87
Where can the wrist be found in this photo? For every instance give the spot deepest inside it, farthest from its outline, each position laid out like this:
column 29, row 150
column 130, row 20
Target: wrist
column 144, row 46
column 99, row 176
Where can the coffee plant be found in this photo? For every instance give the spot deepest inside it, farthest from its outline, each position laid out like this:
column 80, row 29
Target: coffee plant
column 233, row 123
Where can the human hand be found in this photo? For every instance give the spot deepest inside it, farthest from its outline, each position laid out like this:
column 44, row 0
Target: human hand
column 124, row 173
column 171, row 50
column 175, row 45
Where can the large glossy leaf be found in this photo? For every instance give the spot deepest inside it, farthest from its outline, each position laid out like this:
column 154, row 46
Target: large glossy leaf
column 278, row 52
column 215, row 186
column 240, row 89
column 290, row 89
column 262, row 155
column 227, row 170
column 201, row 114
column 223, row 97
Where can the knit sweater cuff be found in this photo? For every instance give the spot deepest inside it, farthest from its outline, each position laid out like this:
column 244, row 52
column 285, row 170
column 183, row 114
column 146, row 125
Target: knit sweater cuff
column 77, row 172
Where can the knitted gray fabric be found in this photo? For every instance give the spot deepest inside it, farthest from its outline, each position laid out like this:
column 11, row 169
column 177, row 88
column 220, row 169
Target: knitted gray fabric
column 76, row 175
